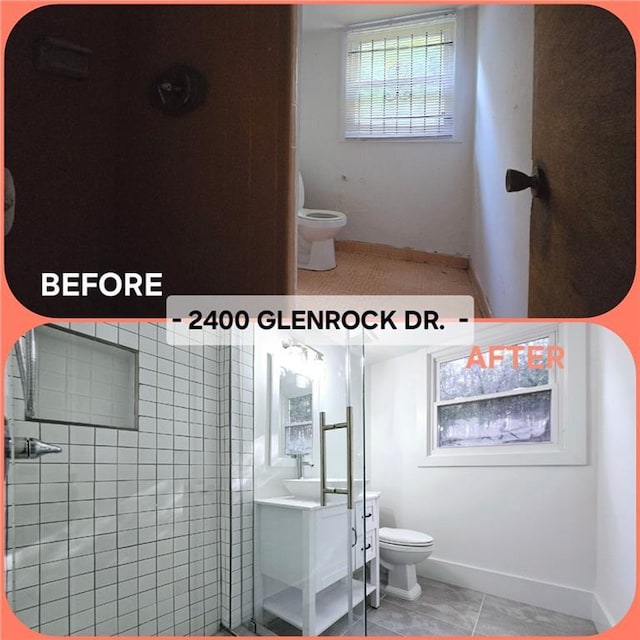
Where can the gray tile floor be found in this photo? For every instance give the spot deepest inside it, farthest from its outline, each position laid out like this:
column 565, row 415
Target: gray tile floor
column 447, row 610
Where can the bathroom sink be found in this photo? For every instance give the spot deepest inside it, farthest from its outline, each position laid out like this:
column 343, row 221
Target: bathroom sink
column 309, row 488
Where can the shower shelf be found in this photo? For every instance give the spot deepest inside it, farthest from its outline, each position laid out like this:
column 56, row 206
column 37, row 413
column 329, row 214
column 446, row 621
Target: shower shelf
column 331, row 603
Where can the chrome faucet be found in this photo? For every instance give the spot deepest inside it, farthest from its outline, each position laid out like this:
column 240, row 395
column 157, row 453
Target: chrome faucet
column 301, row 464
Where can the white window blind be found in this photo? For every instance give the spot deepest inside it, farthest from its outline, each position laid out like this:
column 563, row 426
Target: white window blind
column 400, row 78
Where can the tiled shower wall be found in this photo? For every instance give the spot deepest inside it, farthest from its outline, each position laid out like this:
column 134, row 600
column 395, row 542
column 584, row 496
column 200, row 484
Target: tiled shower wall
column 131, row 532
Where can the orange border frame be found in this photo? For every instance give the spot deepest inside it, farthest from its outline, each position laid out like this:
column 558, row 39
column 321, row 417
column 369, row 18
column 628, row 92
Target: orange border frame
column 624, row 320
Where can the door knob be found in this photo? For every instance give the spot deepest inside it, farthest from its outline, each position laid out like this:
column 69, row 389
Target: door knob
column 518, row 181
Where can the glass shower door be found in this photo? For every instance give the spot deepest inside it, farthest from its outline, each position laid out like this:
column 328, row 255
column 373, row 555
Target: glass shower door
column 311, row 573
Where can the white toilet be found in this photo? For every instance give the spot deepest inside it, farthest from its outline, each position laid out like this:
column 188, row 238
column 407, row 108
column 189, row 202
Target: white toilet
column 316, row 230
column 400, row 551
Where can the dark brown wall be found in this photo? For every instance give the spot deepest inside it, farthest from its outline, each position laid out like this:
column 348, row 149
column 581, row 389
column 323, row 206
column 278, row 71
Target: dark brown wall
column 60, row 146
column 203, row 197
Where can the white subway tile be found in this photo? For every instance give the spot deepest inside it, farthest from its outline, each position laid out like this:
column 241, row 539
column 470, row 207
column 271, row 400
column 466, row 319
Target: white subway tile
column 127, row 472
column 81, row 435
column 146, row 573
column 106, row 577
column 78, row 472
column 106, row 611
column 105, row 489
column 105, row 542
column 107, row 593
column 106, row 472
column 147, row 472
column 58, row 627
column 148, row 361
column 83, row 564
column 106, row 455
column 24, row 494
column 127, row 596
column 105, row 560
column 107, row 627
column 81, row 620
column 53, row 473
column 54, row 512
column 81, row 509
column 77, row 491
column 52, row 571
column 127, row 456
column 127, row 622
column 127, row 438
column 81, row 529
column 127, row 339
column 146, row 408
column 81, row 602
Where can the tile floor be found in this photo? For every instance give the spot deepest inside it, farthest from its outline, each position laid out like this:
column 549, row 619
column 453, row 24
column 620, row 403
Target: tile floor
column 447, row 610
column 359, row 273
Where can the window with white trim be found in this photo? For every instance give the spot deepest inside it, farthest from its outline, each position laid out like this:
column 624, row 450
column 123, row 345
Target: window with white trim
column 400, row 78
column 506, row 401
column 478, row 405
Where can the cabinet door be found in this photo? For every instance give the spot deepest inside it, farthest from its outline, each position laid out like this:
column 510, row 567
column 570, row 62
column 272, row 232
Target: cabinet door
column 332, row 532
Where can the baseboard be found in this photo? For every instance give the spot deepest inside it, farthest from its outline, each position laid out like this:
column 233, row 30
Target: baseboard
column 407, row 254
column 561, row 598
column 484, row 310
column 600, row 616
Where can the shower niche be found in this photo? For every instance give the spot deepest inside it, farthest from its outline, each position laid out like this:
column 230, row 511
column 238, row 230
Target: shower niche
column 72, row 378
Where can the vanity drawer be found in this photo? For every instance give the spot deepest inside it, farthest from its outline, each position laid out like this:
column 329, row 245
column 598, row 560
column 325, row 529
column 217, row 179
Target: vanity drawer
column 371, row 515
column 369, row 547
column 368, row 550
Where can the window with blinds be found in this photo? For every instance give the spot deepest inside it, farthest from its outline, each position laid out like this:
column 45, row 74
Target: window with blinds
column 400, row 78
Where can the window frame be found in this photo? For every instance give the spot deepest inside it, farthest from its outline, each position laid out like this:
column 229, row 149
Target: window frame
column 399, row 21
column 568, row 445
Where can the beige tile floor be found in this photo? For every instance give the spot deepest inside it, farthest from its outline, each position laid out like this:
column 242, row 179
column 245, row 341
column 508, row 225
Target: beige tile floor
column 362, row 274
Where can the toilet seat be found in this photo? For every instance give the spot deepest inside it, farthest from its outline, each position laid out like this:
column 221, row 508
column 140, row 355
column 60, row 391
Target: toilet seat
column 321, row 217
column 404, row 538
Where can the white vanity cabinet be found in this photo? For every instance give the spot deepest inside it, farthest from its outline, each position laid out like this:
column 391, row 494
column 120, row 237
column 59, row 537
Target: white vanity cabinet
column 303, row 553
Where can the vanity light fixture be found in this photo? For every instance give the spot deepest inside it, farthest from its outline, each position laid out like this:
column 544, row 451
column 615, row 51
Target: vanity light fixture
column 302, row 350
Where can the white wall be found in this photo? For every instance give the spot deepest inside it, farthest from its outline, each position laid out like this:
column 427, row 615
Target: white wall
column 613, row 411
column 524, row 532
column 503, row 125
column 406, row 194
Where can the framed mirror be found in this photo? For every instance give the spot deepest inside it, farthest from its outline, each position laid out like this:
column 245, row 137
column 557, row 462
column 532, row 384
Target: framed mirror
column 292, row 408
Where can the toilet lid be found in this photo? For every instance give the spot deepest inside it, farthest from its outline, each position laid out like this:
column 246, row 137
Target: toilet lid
column 405, row 537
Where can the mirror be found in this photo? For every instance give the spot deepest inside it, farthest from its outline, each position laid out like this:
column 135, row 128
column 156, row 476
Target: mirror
column 296, row 416
column 292, row 399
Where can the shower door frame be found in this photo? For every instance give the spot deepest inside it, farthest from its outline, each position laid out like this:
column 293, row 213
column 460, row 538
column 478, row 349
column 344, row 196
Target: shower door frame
column 255, row 622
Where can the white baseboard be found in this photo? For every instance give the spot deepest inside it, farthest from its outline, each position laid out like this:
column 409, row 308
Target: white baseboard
column 561, row 598
column 600, row 616
column 484, row 310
